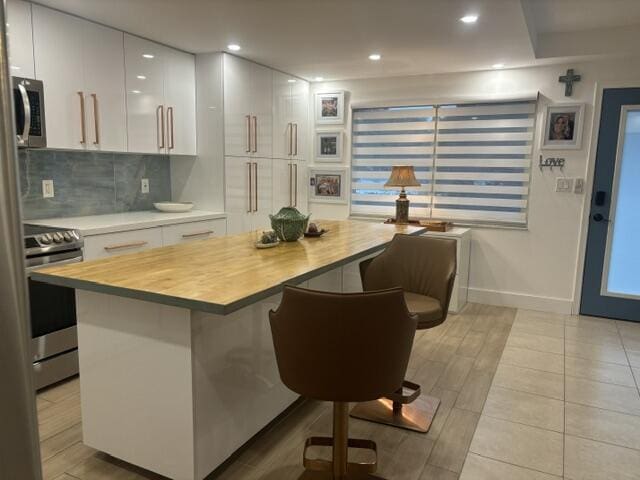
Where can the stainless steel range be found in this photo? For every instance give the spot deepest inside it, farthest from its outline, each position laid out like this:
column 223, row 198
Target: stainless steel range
column 53, row 308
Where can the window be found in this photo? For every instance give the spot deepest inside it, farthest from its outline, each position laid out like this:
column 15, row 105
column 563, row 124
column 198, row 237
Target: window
column 473, row 160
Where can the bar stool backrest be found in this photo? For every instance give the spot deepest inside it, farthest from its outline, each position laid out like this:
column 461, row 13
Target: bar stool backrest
column 342, row 347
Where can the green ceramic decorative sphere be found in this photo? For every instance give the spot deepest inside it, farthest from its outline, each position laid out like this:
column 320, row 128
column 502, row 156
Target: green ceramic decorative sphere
column 289, row 224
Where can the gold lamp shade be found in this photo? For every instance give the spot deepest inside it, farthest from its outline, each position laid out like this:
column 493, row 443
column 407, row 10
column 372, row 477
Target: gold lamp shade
column 402, row 176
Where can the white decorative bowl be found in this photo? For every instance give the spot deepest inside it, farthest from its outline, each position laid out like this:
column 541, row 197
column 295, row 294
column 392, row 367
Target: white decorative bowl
column 174, row 207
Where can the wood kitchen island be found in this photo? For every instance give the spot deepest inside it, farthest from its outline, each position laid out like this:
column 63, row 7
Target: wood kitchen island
column 176, row 359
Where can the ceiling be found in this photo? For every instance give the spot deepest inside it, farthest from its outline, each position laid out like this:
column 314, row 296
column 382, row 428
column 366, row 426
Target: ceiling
column 333, row 38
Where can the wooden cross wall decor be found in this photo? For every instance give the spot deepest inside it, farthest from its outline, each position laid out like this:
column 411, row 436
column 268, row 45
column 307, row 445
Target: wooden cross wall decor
column 569, row 79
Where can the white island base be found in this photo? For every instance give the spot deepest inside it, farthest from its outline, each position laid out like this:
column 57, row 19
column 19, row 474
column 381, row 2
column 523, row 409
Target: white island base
column 177, row 391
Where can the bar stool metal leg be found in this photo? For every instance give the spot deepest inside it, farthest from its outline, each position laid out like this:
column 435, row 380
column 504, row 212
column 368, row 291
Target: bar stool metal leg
column 340, row 439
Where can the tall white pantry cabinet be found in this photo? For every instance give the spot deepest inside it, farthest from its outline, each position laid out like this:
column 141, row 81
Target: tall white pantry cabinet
column 265, row 121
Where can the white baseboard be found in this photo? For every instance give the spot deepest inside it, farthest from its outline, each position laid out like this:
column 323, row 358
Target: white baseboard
column 520, row 300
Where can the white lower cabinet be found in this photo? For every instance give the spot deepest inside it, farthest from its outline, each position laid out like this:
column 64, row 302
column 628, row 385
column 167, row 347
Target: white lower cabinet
column 188, row 232
column 112, row 244
column 248, row 193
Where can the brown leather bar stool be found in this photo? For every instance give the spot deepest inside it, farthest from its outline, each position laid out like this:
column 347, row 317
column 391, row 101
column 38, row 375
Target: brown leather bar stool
column 342, row 348
column 425, row 267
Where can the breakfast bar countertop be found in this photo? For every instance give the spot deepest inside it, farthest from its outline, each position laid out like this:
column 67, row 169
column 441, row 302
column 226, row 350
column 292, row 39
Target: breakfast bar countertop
column 221, row 275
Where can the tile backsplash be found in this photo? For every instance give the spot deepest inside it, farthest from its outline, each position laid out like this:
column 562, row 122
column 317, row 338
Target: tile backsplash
column 90, row 183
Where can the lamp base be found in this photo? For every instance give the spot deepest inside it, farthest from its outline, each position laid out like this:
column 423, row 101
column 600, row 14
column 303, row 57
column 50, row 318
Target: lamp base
column 402, row 209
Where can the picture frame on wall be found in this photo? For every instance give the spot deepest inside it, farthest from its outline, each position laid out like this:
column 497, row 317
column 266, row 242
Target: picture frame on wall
column 328, row 146
column 329, row 108
column 328, row 185
column 563, row 127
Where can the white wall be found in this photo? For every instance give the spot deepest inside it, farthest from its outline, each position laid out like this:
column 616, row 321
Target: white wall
column 534, row 268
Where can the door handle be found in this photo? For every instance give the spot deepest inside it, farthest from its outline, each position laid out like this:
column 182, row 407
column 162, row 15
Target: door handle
column 26, row 106
column 250, row 189
column 96, row 123
column 160, row 125
column 295, row 183
column 598, row 217
column 255, row 186
column 248, row 119
column 255, row 134
column 83, row 130
column 170, row 127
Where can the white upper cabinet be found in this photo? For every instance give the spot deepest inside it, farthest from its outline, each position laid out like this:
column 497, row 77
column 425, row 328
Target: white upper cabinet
column 180, row 100
column 144, row 67
column 247, row 108
column 105, row 109
column 290, row 116
column 58, row 51
column 20, row 38
column 160, row 84
column 82, row 68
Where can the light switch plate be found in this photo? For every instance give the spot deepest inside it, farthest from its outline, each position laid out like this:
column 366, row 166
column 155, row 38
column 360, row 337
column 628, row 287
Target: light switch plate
column 564, row 184
column 578, row 185
column 47, row 189
column 145, row 185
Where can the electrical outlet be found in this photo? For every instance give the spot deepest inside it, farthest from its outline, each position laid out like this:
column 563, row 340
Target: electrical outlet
column 578, row 185
column 145, row 185
column 47, row 189
column 564, row 184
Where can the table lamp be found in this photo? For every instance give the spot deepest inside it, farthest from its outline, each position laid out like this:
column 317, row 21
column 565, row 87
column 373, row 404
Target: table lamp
column 402, row 176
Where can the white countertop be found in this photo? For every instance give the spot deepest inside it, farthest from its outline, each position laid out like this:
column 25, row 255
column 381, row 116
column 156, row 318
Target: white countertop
column 120, row 222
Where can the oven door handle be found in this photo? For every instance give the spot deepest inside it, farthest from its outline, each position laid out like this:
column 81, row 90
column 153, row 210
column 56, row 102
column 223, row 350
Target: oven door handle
column 26, row 106
column 54, row 264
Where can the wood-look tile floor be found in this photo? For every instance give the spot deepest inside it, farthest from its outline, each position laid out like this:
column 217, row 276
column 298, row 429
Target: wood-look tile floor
column 455, row 362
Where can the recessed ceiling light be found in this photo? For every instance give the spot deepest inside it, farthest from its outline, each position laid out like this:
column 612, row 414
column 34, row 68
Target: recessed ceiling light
column 375, row 56
column 135, row 91
column 147, row 55
column 141, row 77
column 469, row 19
column 497, row 65
column 234, row 47
column 318, row 79
column 292, row 80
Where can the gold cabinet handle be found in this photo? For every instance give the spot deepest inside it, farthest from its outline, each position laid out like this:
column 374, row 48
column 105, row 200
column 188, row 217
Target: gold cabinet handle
column 295, row 136
column 255, row 186
column 83, row 130
column 120, row 246
column 96, row 122
column 197, row 234
column 160, row 125
column 295, row 183
column 248, row 119
column 255, row 134
column 170, row 127
column 290, row 133
column 250, row 189
column 291, row 185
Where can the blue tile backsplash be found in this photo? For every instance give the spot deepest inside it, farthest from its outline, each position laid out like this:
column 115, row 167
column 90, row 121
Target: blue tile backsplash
column 90, row 183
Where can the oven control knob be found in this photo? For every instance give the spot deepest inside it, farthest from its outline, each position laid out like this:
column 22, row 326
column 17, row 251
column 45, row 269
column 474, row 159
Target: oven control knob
column 57, row 237
column 74, row 234
column 45, row 239
column 67, row 237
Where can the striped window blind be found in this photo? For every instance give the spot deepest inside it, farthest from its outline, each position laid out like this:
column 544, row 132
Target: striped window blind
column 473, row 160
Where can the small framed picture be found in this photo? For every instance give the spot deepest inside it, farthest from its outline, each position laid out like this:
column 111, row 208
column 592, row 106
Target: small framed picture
column 330, row 108
column 328, row 185
column 563, row 127
column 329, row 146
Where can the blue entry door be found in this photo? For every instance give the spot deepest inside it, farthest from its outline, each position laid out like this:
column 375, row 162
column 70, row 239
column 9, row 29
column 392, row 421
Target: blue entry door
column 611, row 282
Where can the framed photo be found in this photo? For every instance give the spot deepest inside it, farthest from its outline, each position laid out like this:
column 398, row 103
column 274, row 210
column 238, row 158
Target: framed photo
column 330, row 108
column 328, row 185
column 329, row 146
column 563, row 127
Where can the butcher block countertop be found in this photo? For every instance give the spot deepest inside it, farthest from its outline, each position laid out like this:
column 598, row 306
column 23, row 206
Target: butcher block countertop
column 221, row 275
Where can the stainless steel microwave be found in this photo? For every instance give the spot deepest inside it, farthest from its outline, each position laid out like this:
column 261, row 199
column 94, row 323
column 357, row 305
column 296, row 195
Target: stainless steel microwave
column 28, row 97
